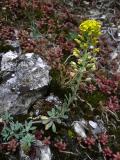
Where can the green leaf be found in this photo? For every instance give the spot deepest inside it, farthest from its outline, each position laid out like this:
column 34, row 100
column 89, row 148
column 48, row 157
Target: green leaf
column 53, row 112
column 58, row 108
column 65, row 116
column 53, row 128
column 7, row 117
column 32, row 128
column 47, row 126
column 49, row 113
column 66, row 97
column 46, row 121
column 58, row 121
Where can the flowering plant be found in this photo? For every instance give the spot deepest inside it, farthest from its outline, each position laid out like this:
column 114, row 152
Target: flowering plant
column 91, row 27
column 83, row 62
column 90, row 31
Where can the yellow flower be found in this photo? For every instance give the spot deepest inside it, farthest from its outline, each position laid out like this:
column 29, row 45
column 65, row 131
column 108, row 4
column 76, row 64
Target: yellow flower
column 81, row 37
column 89, row 57
column 93, row 67
column 85, row 45
column 77, row 40
column 73, row 64
column 91, row 27
column 90, row 31
column 76, row 70
column 80, row 61
column 44, row 118
column 76, row 52
column 93, row 60
column 96, row 50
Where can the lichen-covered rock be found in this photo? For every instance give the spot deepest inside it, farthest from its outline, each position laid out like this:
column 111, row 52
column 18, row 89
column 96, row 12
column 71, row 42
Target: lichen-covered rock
column 8, row 62
column 26, row 81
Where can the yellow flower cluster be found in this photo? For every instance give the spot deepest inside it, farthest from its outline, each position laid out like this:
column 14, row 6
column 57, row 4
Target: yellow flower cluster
column 91, row 27
column 76, row 52
column 90, row 31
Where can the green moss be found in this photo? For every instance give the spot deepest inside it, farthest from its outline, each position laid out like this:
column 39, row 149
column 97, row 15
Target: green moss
column 95, row 98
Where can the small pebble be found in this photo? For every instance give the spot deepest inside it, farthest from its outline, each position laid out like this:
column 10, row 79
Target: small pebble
column 86, row 3
column 119, row 34
column 93, row 124
column 37, row 112
column 13, row 75
column 79, row 130
column 103, row 16
column 91, row 47
column 3, row 8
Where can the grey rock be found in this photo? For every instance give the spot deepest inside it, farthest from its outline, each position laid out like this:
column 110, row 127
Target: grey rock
column 86, row 2
column 79, row 128
column 94, row 13
column 103, row 17
column 95, row 127
column 53, row 99
column 8, row 62
column 27, row 81
column 23, row 156
column 43, row 152
column 93, row 124
column 32, row 73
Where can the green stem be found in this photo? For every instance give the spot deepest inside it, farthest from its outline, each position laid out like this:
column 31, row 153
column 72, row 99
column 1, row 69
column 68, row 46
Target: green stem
column 80, row 75
column 68, row 101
